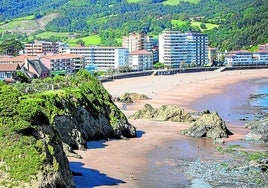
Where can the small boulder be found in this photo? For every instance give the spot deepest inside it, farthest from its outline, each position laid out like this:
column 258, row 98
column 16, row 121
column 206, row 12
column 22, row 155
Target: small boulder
column 209, row 125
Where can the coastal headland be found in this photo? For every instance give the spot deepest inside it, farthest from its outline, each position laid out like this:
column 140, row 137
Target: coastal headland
column 122, row 162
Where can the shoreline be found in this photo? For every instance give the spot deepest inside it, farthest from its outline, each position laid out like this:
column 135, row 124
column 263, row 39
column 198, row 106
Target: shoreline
column 121, row 162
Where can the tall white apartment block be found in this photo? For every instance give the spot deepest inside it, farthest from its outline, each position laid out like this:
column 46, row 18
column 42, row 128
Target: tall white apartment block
column 104, row 58
column 176, row 48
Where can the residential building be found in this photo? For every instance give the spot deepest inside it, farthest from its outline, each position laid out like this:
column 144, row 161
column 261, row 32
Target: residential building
column 246, row 58
column 8, row 71
column 63, row 63
column 263, row 46
column 176, row 48
column 41, row 48
column 261, row 57
column 35, row 69
column 21, row 59
column 141, row 60
column 137, row 41
column 104, row 58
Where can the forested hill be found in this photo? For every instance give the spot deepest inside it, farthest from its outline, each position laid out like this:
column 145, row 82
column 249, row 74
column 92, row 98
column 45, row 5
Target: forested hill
column 235, row 24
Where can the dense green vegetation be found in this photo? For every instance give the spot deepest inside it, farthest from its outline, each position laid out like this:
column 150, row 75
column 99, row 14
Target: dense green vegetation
column 229, row 24
column 27, row 107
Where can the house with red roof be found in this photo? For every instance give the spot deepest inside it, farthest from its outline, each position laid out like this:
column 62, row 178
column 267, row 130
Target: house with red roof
column 8, row 71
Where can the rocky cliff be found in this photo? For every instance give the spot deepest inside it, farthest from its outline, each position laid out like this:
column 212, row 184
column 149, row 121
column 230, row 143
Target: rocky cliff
column 37, row 119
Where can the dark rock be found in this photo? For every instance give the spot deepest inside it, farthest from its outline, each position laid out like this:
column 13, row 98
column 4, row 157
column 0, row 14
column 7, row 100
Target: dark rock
column 209, row 125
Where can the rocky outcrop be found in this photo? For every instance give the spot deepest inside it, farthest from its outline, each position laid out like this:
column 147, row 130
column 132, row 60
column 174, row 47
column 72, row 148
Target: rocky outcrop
column 164, row 113
column 56, row 171
column 36, row 122
column 83, row 126
column 130, row 97
column 258, row 130
column 209, row 125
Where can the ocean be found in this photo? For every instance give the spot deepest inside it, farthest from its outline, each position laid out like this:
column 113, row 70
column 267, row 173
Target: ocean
column 189, row 162
column 239, row 103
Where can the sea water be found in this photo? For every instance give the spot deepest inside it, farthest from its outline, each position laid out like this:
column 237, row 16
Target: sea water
column 262, row 100
column 236, row 106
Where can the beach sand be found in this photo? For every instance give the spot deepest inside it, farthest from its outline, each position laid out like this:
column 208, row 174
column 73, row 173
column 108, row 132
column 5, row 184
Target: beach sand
column 122, row 162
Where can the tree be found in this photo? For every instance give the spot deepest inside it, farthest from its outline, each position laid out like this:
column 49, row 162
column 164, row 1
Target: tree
column 203, row 26
column 159, row 65
column 80, row 42
column 11, row 47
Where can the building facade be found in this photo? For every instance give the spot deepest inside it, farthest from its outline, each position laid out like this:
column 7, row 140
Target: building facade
column 41, row 48
column 104, row 58
column 63, row 63
column 138, row 41
column 176, row 48
column 246, row 58
column 141, row 60
column 8, row 71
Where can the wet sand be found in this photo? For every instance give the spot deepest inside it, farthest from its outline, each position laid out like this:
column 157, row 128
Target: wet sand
column 122, row 162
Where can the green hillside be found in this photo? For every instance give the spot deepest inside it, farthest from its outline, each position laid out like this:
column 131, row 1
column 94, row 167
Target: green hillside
column 230, row 24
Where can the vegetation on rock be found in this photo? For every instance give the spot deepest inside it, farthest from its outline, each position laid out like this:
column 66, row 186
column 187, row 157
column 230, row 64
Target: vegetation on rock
column 164, row 113
column 131, row 97
column 36, row 118
column 209, row 125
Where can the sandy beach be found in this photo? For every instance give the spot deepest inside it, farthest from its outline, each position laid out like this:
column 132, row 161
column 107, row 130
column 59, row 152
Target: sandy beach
column 121, row 162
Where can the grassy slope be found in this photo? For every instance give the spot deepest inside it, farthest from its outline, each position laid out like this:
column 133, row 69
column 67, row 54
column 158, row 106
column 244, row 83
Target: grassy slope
column 89, row 40
column 176, row 2
column 208, row 25
column 181, row 23
column 27, row 24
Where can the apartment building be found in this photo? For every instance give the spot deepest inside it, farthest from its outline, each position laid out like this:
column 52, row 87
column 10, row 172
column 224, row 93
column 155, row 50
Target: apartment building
column 176, row 48
column 104, row 58
column 63, row 63
column 41, row 48
column 246, row 58
column 138, row 41
column 141, row 60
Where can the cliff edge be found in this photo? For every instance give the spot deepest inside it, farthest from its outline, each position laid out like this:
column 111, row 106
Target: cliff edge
column 37, row 119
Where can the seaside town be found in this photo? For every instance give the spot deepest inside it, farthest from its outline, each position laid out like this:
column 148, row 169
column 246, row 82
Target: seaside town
column 133, row 94
column 139, row 52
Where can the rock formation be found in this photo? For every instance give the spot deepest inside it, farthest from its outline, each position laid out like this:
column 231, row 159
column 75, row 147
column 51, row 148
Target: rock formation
column 36, row 122
column 131, row 97
column 164, row 113
column 209, row 125
column 258, row 130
